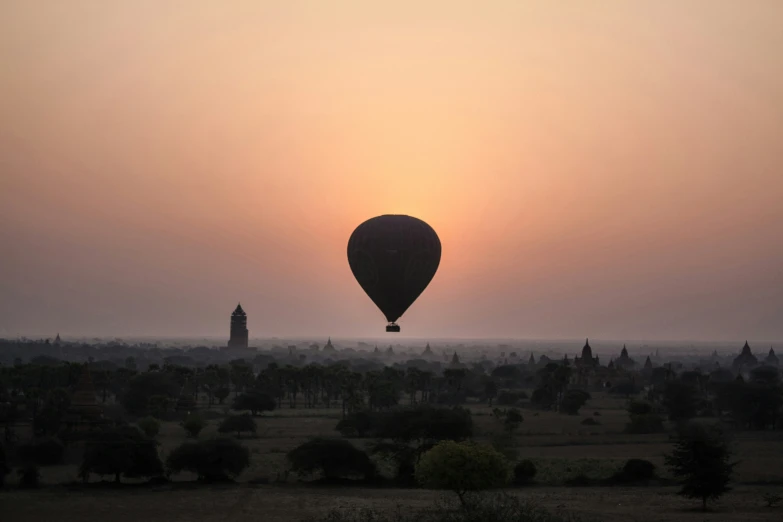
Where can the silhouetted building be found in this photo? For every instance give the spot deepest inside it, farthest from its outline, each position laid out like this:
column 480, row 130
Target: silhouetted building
column 587, row 359
column 745, row 359
column 427, row 351
column 329, row 347
column 238, row 328
column 771, row 359
column 57, row 339
column 648, row 365
column 84, row 410
column 625, row 362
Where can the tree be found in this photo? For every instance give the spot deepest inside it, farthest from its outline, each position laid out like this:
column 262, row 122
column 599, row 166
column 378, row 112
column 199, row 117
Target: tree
column 334, row 458
column 254, row 401
column 144, row 386
column 524, row 472
column 193, row 425
column 680, row 400
column 238, row 423
column 701, row 457
column 42, row 452
column 221, row 394
column 150, row 426
column 415, row 430
column 122, row 451
column 490, row 389
column 572, row 401
column 462, row 467
column 210, row 460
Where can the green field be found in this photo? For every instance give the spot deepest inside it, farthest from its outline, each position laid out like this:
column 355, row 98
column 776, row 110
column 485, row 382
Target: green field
column 560, row 445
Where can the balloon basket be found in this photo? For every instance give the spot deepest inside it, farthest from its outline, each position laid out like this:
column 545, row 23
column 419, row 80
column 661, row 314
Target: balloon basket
column 392, row 327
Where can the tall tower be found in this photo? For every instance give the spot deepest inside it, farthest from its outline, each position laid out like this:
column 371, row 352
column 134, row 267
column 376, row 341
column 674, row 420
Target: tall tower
column 238, row 328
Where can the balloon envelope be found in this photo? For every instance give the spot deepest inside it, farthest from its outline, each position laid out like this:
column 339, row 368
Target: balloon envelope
column 394, row 258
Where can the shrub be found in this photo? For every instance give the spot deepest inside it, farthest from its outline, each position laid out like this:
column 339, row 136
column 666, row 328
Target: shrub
column 462, row 467
column 122, row 451
column 356, row 424
column 211, row 460
column 640, row 408
column 193, row 425
column 29, row 477
column 254, row 401
column 589, row 421
column 772, row 499
column 640, row 424
column 635, row 470
column 42, row 452
column 580, row 481
column 572, row 401
column 524, row 472
column 238, row 424
column 510, row 398
column 150, row 426
column 334, row 458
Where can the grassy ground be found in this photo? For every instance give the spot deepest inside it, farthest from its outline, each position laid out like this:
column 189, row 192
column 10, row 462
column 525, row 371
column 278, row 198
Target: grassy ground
column 294, row 503
column 560, row 445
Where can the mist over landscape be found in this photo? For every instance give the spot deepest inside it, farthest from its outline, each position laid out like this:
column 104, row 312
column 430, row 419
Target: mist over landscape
column 391, row 261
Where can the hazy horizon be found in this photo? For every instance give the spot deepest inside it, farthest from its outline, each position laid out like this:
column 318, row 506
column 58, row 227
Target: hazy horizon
column 604, row 170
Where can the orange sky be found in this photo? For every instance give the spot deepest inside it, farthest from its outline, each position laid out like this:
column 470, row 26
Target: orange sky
column 607, row 169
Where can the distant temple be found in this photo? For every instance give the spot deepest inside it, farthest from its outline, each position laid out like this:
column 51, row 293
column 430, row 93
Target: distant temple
column 532, row 360
column 57, row 339
column 329, row 347
column 390, row 351
column 587, row 359
column 771, row 359
column 427, row 351
column 648, row 364
column 238, row 328
column 625, row 362
column 84, row 410
column 745, row 359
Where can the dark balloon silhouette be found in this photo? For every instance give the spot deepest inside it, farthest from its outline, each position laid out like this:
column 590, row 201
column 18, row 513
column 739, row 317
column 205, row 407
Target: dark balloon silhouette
column 394, row 258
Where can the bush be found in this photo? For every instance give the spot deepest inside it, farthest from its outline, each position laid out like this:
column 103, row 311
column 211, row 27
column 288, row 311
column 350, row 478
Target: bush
column 638, row 469
column 640, row 424
column 122, row 451
column 254, row 401
column 589, row 421
column 29, row 477
column 211, row 460
column 356, row 424
column 572, row 401
column 334, row 458
column 42, row 452
column 524, row 472
column 640, row 408
column 238, row 424
column 462, row 467
column 579, row 481
column 510, row 398
column 193, row 425
column 150, row 426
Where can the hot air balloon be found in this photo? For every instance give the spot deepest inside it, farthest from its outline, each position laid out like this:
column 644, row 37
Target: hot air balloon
column 394, row 258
